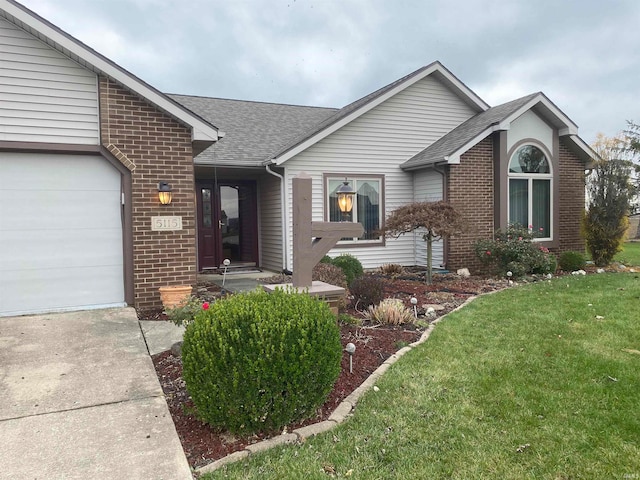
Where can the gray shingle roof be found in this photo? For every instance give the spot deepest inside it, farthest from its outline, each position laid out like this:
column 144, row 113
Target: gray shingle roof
column 464, row 133
column 344, row 112
column 253, row 130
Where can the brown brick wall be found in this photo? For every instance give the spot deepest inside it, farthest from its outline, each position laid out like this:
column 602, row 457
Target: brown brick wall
column 470, row 190
column 571, row 200
column 160, row 148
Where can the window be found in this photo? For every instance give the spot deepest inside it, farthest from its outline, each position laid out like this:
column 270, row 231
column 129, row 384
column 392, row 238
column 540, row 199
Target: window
column 368, row 208
column 530, row 190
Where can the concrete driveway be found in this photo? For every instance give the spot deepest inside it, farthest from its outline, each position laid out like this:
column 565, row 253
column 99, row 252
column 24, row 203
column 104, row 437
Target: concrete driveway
column 79, row 399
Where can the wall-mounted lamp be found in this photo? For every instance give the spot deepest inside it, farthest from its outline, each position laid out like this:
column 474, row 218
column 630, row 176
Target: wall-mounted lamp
column 164, row 193
column 345, row 197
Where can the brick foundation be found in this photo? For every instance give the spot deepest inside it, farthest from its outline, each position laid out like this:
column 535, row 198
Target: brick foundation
column 155, row 147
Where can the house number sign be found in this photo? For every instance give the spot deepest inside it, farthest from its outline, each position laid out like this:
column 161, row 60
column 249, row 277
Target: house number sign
column 164, row 224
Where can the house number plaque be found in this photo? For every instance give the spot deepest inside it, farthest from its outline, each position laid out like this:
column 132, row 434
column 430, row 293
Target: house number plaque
column 166, row 224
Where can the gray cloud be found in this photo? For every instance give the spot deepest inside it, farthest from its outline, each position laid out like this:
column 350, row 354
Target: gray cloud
column 585, row 55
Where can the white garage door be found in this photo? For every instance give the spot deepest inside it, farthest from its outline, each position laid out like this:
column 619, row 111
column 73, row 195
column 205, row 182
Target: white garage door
column 60, row 233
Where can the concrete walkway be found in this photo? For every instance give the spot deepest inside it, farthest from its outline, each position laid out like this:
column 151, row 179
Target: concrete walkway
column 79, row 399
column 236, row 282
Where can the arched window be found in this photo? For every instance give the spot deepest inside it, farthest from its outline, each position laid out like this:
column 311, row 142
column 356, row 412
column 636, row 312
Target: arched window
column 530, row 190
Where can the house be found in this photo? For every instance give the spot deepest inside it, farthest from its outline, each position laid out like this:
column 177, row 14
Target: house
column 85, row 146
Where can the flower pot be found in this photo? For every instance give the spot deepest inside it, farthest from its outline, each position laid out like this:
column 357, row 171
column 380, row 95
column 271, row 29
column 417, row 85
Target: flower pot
column 175, row 296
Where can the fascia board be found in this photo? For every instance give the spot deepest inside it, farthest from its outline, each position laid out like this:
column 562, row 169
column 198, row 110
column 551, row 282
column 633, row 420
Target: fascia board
column 586, row 149
column 201, row 130
column 569, row 128
column 436, row 67
column 454, row 158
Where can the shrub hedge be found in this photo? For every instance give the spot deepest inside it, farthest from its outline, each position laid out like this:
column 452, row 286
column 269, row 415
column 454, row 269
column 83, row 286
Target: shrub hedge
column 257, row 361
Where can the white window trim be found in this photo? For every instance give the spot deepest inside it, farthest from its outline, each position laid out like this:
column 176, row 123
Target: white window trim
column 531, row 177
column 353, row 179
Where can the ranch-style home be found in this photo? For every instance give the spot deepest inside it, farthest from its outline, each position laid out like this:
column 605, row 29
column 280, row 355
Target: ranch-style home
column 89, row 151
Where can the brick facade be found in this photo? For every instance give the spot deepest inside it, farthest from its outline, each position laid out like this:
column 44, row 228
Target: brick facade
column 470, row 190
column 571, row 202
column 154, row 147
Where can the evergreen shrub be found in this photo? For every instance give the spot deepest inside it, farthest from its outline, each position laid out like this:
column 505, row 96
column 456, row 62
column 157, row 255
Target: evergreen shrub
column 258, row 361
column 571, row 261
column 350, row 265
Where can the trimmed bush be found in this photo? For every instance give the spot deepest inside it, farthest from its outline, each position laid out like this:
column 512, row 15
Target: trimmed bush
column 325, row 272
column 350, row 265
column 257, row 361
column 326, row 259
column 367, row 290
column 571, row 261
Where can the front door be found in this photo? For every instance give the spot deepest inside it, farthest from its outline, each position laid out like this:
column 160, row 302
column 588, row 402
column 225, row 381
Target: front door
column 227, row 224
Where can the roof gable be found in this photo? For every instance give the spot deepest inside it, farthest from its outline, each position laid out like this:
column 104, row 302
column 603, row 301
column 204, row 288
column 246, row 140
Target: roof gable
column 453, row 145
column 22, row 17
column 358, row 108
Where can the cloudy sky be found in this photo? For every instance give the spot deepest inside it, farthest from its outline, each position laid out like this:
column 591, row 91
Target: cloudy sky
column 583, row 54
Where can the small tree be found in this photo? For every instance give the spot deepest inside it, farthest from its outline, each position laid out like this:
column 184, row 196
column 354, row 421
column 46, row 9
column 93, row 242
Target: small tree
column 609, row 191
column 438, row 219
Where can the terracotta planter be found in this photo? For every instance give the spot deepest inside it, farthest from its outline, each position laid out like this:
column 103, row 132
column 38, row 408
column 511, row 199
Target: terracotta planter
column 175, row 296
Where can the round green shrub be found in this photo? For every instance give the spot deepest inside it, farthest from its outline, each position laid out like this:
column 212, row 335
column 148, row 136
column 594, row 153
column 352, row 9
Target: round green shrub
column 258, row 361
column 571, row 261
column 326, row 259
column 350, row 265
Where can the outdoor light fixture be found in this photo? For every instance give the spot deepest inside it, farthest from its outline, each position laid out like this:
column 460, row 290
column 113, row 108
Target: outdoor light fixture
column 164, row 193
column 414, row 302
column 350, row 348
column 345, row 197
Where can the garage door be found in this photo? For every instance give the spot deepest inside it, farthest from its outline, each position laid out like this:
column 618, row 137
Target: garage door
column 60, row 233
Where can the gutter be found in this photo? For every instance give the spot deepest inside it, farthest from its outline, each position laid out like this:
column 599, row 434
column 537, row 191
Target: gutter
column 283, row 207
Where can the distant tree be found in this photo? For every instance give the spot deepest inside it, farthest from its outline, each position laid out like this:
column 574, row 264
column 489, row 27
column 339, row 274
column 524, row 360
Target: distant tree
column 436, row 220
column 609, row 191
column 632, row 134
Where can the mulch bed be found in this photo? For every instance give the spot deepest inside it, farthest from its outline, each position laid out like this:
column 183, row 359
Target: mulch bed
column 374, row 344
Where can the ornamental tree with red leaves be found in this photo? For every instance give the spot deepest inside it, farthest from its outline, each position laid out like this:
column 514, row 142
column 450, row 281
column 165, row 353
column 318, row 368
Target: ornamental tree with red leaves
column 434, row 220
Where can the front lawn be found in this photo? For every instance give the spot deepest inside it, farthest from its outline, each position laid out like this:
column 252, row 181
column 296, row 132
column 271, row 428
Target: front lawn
column 540, row 381
column 630, row 254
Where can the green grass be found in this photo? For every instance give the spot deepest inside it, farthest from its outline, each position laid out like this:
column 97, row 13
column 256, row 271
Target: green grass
column 630, row 255
column 524, row 384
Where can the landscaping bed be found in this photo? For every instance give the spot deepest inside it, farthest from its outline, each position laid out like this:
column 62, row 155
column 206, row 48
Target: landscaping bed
column 374, row 344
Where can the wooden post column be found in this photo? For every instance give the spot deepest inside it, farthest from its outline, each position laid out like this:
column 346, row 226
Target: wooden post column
column 312, row 240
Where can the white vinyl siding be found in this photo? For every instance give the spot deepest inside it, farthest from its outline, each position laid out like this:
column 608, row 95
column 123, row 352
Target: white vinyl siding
column 61, row 243
column 44, row 96
column 376, row 143
column 270, row 223
column 427, row 186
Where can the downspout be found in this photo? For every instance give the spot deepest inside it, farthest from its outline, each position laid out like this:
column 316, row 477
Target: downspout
column 285, row 223
column 445, row 246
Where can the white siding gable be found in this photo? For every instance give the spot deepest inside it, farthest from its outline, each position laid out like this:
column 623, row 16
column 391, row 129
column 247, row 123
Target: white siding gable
column 530, row 125
column 44, row 96
column 377, row 143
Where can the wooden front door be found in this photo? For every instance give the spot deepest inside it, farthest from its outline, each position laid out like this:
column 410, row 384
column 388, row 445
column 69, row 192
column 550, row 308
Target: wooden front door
column 227, row 224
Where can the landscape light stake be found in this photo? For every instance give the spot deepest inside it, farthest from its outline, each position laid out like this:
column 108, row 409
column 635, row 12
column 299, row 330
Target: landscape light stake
column 226, row 262
column 350, row 349
column 414, row 302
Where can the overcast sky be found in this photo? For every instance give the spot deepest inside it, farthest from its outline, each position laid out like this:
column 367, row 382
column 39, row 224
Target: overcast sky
column 583, row 54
